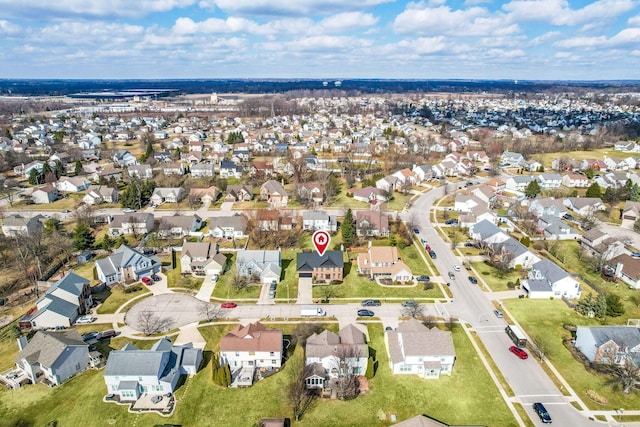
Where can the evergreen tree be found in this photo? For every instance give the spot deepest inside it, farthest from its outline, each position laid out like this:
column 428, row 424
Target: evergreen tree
column 78, row 167
column 348, row 229
column 594, row 190
column 533, row 189
column 51, row 225
column 34, row 177
column 83, row 237
column 615, row 307
column 46, row 168
column 107, row 242
column 59, row 169
column 526, row 241
column 227, row 375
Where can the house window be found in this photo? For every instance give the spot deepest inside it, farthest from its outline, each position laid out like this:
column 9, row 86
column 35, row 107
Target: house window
column 272, row 353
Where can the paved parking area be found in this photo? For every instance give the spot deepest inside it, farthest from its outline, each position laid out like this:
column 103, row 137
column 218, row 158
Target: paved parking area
column 167, row 311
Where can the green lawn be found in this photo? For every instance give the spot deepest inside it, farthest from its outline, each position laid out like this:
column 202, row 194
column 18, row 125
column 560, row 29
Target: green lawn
column 355, row 286
column 225, row 291
column 543, row 320
column 414, row 261
column 290, row 277
column 115, row 297
column 494, row 279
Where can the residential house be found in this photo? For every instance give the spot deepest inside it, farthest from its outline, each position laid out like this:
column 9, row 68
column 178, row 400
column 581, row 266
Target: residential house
column 511, row 159
column 61, row 304
column 530, row 165
column 555, row 229
column 389, row 183
column 125, row 265
column 372, row 223
column 549, row 181
column 415, row 349
column 230, row 170
column 229, row 227
column 487, row 232
column 599, row 244
column 383, row 262
column 496, row 184
column 267, row 219
column 173, row 168
column 18, row 225
column 465, row 203
column 45, row 194
column 136, row 223
column 574, row 180
column 630, row 214
column 140, row 171
column 547, row 206
column 167, row 195
column 239, row 193
column 596, row 165
column 547, row 280
column 584, row 206
column 124, row 158
column 335, row 355
column 262, row 264
column 178, row 226
column 25, row 170
column 72, row 184
column 514, row 253
column 97, row 194
column 204, row 195
column 518, row 182
column 319, row 220
column 202, row 170
column 609, row 344
column 52, row 356
column 202, row 258
column 627, row 268
column 274, row 193
column 131, row 372
column 260, row 169
column 422, row 172
column 103, row 176
column 252, row 346
column 328, row 267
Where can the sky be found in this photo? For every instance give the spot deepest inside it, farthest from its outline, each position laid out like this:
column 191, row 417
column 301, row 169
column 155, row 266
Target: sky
column 320, row 39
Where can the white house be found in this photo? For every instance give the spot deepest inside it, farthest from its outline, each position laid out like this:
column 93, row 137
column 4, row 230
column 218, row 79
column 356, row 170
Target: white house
column 319, row 220
column 549, row 181
column 516, row 253
column 167, row 195
column 547, row 280
column 518, row 182
column 131, row 223
column 125, row 265
column 259, row 263
column 584, row 205
column 415, row 349
column 131, row 372
column 72, row 184
column 574, row 180
column 229, row 227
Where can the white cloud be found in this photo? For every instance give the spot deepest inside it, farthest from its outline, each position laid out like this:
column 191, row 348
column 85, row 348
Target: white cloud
column 289, row 7
column 558, row 12
column 544, row 38
column 634, row 21
column 317, row 44
column 8, row 28
column 474, row 21
column 347, row 21
column 94, row 8
column 626, row 37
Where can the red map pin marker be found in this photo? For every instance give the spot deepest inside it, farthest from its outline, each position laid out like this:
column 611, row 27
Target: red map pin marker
column 321, row 241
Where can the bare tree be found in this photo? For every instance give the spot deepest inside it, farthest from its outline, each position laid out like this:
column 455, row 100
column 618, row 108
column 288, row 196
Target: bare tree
column 625, row 374
column 149, row 322
column 238, row 282
column 345, row 362
column 429, row 321
column 300, row 397
column 415, row 311
column 209, row 311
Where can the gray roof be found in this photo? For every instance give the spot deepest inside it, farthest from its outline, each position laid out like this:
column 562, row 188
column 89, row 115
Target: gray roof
column 198, row 249
column 237, row 222
column 130, row 218
column 581, row 202
column 307, row 261
column 511, row 246
column 47, row 348
column 522, row 179
column 127, row 385
column 550, row 270
column 132, row 361
column 71, row 283
column 486, row 229
column 59, row 306
column 350, row 334
column 626, row 337
column 412, row 338
column 274, row 187
column 122, row 257
column 315, row 216
column 190, row 356
column 326, row 343
column 538, row 285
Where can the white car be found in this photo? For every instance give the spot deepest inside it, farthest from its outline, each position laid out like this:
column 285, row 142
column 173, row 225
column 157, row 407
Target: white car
column 86, row 319
column 127, row 210
column 456, row 268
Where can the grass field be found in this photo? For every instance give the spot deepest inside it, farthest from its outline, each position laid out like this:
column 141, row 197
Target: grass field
column 547, row 158
column 491, row 275
column 115, row 297
column 543, row 320
column 452, row 399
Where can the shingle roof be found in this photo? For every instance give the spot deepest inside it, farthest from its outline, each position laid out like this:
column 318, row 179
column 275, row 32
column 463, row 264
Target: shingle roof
column 47, row 347
column 307, row 261
column 625, row 337
column 252, row 337
column 412, row 338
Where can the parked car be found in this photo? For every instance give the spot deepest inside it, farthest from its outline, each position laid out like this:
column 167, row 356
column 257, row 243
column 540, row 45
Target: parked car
column 147, row 281
column 468, row 244
column 416, row 230
column 110, row 333
column 568, row 217
column 473, row 280
column 635, row 254
column 371, row 303
column 89, row 336
column 451, row 222
column 85, row 319
column 423, row 278
column 128, row 210
column 228, row 304
column 409, row 303
column 365, row 313
column 432, row 254
column 518, row 352
column 542, row 412
column 522, row 296
column 452, row 275
column 155, row 278
column 498, row 314
column 457, row 268
column 428, row 248
column 156, row 399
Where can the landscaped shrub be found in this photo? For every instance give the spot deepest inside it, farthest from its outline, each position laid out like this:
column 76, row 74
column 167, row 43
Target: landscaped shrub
column 132, row 289
column 427, row 286
column 511, row 285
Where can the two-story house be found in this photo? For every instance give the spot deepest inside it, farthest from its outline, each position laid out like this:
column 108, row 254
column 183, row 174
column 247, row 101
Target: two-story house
column 97, row 194
column 372, row 223
column 263, row 264
column 328, row 267
column 239, row 193
column 574, row 180
column 202, row 258
column 609, row 344
column 547, row 280
column 274, row 193
column 229, row 227
column 178, row 226
column 136, row 223
column 126, row 265
column 16, row 224
column 167, row 195
column 383, row 262
column 319, row 220
column 140, row 171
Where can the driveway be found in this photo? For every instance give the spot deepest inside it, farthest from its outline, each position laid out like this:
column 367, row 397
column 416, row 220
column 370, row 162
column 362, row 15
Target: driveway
column 305, row 291
column 623, row 234
column 226, row 206
column 164, row 312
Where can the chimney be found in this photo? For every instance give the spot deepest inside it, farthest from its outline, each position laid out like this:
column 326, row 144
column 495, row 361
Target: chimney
column 22, row 342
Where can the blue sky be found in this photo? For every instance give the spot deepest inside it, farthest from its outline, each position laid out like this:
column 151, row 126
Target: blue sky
column 395, row 39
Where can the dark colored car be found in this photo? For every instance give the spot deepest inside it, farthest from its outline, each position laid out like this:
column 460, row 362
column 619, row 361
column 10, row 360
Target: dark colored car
column 635, row 254
column 568, row 217
column 423, row 278
column 542, row 412
column 473, row 280
column 371, row 303
column 416, row 230
column 432, row 254
column 518, row 352
column 89, row 336
column 106, row 334
column 468, row 244
column 451, row 222
column 228, row 304
column 147, row 281
column 365, row 313
column 409, row 303
column 155, row 278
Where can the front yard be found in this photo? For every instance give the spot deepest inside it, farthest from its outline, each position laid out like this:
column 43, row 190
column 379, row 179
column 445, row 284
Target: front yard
column 115, row 297
column 543, row 321
column 495, row 279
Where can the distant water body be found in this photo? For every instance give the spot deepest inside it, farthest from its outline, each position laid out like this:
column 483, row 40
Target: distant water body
column 357, row 86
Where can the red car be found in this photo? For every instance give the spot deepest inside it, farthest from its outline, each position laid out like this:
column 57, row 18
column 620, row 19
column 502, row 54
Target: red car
column 428, row 248
column 228, row 304
column 147, row 281
column 518, row 352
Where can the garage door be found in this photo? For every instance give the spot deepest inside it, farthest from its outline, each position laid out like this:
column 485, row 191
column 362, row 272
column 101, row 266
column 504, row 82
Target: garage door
column 305, row 275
